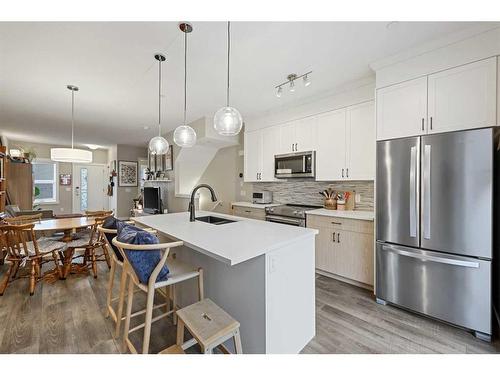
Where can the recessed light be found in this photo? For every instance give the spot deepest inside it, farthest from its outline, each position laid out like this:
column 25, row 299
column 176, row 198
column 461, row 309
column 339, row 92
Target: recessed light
column 145, row 127
column 93, row 147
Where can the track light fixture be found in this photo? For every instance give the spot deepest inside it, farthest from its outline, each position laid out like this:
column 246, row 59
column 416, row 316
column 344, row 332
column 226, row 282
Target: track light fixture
column 290, row 80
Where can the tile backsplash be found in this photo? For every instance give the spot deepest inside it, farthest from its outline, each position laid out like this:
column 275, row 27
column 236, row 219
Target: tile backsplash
column 307, row 192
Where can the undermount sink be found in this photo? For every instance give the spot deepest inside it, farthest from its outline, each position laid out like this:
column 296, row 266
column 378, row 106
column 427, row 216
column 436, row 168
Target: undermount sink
column 215, row 220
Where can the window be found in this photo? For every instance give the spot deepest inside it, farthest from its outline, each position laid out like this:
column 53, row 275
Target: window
column 45, row 181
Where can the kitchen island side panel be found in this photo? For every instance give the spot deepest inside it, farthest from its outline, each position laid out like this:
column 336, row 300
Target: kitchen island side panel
column 238, row 289
column 290, row 297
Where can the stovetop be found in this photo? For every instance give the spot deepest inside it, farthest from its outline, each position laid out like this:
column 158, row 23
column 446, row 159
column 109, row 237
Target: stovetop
column 291, row 210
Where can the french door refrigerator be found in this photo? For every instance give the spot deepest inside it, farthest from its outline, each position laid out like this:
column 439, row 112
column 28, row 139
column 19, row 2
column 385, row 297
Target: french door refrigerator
column 435, row 226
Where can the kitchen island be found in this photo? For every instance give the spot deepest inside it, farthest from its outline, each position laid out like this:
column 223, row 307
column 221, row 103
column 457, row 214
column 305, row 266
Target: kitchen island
column 261, row 273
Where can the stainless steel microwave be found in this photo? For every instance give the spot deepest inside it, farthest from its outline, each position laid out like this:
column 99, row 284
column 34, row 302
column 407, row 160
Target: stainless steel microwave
column 297, row 164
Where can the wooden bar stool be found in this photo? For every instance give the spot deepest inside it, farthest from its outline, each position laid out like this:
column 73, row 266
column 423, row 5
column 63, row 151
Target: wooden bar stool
column 117, row 257
column 210, row 326
column 179, row 272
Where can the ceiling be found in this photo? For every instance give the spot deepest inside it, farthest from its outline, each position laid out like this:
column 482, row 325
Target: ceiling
column 113, row 64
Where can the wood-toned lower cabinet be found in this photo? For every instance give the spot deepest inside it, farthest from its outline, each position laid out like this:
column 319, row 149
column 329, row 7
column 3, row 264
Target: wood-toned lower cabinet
column 344, row 247
column 249, row 212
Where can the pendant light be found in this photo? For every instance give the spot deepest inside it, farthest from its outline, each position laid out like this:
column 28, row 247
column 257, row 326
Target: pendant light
column 66, row 154
column 159, row 145
column 227, row 120
column 184, row 135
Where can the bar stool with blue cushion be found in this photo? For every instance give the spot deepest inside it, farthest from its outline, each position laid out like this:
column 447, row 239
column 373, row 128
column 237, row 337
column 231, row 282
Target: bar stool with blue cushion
column 148, row 267
column 109, row 230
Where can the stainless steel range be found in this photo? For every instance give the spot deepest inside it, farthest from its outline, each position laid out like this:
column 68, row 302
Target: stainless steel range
column 291, row 214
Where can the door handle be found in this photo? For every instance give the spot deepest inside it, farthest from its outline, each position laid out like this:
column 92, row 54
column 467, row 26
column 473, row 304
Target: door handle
column 422, row 124
column 430, row 258
column 431, row 122
column 426, row 196
column 338, row 237
column 347, row 172
column 342, row 172
column 333, row 236
column 413, row 191
column 296, row 146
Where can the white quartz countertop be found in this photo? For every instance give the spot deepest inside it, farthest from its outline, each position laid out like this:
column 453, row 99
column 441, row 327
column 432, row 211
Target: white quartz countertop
column 230, row 243
column 358, row 215
column 255, row 205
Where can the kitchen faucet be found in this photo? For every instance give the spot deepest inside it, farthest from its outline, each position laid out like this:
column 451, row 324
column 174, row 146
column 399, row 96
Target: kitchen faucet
column 191, row 201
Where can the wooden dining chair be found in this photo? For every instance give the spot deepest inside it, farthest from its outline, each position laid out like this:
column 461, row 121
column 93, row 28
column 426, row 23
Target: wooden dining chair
column 99, row 213
column 24, row 248
column 179, row 272
column 23, row 219
column 117, row 258
column 86, row 242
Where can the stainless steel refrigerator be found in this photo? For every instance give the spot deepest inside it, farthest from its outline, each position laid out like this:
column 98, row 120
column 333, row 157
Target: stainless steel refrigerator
column 435, row 229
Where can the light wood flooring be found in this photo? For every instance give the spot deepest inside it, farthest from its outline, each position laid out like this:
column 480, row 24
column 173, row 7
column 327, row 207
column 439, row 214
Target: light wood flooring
column 68, row 317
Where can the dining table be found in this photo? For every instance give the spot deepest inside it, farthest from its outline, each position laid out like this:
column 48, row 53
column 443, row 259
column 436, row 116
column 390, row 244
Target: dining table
column 67, row 226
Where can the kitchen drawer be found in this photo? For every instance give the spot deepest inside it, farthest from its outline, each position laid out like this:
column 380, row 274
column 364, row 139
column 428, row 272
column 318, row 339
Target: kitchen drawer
column 354, row 225
column 452, row 288
column 251, row 213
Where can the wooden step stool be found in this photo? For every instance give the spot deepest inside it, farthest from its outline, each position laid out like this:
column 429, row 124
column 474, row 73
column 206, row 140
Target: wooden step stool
column 209, row 325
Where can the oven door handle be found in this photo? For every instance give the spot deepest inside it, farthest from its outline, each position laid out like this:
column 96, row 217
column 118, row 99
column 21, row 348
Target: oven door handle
column 279, row 219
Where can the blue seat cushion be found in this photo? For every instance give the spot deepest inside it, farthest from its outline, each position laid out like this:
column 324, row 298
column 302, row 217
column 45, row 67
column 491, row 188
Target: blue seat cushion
column 111, row 223
column 142, row 261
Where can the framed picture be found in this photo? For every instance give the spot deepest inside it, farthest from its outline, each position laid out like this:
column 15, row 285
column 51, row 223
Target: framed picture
column 167, row 160
column 127, row 173
column 65, row 179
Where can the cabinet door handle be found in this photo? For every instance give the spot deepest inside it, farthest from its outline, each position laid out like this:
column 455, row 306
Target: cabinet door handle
column 249, row 212
column 347, row 172
column 296, row 146
column 338, row 237
column 292, row 147
column 342, row 172
column 336, row 222
column 333, row 236
column 422, row 124
column 431, row 122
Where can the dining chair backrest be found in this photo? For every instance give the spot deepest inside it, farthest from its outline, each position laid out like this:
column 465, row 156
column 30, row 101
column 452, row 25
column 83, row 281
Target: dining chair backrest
column 165, row 246
column 95, row 235
column 23, row 219
column 99, row 213
column 16, row 238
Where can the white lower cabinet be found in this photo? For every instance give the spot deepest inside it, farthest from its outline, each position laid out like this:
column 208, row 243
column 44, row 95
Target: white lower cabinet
column 344, row 248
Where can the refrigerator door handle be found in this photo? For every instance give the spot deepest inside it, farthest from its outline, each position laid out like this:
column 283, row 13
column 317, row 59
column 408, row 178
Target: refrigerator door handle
column 426, row 197
column 430, row 258
column 413, row 191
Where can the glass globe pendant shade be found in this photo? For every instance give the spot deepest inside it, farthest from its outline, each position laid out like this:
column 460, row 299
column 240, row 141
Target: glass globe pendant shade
column 184, row 136
column 228, row 121
column 158, row 145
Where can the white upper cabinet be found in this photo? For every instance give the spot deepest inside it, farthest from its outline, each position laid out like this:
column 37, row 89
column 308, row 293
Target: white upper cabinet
column 402, row 109
column 463, row 97
column 360, row 135
column 305, row 134
column 287, row 137
column 253, row 155
column 270, row 147
column 455, row 99
column 298, row 135
column 331, row 146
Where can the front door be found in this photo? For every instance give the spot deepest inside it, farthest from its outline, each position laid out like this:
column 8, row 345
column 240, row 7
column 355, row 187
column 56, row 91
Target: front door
column 89, row 188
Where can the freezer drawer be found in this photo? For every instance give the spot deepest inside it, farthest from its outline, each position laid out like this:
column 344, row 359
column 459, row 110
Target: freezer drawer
column 455, row 289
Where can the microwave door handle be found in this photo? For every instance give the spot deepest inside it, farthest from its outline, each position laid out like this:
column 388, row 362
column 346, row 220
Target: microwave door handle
column 303, row 164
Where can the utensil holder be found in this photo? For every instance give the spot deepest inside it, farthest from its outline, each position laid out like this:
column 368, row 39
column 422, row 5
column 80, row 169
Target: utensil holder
column 330, row 204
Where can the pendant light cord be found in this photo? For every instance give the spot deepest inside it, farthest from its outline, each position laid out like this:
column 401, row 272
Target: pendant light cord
column 72, row 117
column 159, row 97
column 228, row 53
column 185, row 75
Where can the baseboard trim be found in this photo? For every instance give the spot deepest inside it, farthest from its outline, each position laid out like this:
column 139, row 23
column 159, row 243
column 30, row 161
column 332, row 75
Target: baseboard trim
column 344, row 279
